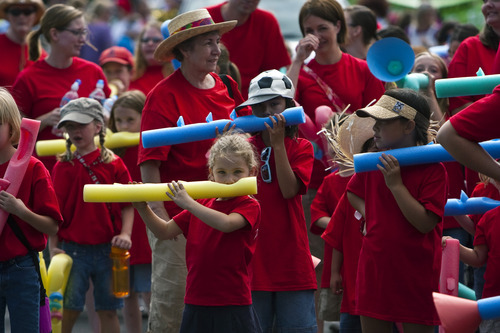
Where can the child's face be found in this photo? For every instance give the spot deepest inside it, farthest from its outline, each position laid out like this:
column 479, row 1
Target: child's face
column 391, row 134
column 82, row 135
column 229, row 169
column 115, row 71
column 127, row 120
column 270, row 107
column 428, row 65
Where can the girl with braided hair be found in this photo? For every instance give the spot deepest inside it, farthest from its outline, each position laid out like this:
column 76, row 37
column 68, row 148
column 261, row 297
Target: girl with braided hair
column 89, row 229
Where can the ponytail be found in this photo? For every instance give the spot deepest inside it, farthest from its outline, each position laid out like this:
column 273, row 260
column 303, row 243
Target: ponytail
column 34, row 44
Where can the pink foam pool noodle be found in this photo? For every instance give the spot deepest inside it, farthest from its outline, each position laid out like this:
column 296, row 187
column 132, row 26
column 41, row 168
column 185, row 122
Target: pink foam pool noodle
column 19, row 162
column 448, row 281
column 457, row 315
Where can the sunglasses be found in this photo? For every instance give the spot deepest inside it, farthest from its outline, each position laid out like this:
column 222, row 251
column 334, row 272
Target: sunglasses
column 151, row 39
column 19, row 11
column 265, row 169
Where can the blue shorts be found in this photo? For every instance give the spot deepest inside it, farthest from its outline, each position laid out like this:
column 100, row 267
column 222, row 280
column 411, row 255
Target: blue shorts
column 286, row 311
column 215, row 319
column 20, row 294
column 140, row 278
column 90, row 262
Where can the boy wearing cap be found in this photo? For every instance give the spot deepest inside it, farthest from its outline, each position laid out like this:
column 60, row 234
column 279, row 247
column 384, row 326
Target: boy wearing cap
column 117, row 64
column 89, row 229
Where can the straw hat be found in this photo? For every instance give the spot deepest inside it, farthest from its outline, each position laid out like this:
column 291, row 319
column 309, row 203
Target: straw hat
column 187, row 25
column 346, row 135
column 38, row 4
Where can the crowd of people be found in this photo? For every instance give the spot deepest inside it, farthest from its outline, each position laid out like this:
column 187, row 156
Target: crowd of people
column 248, row 263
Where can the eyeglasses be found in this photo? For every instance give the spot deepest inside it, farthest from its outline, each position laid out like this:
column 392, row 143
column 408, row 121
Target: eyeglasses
column 155, row 40
column 265, row 169
column 19, row 11
column 81, row 32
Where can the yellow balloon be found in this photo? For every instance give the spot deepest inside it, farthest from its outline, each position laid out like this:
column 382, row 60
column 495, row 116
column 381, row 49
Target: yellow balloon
column 157, row 192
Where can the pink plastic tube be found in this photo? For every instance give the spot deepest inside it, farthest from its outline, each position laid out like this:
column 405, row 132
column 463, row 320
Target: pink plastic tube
column 19, row 162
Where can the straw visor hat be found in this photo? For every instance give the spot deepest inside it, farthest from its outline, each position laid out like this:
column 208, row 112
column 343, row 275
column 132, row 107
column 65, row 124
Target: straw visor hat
column 37, row 4
column 187, row 25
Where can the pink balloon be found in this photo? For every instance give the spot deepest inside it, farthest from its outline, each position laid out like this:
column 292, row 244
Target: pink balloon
column 323, row 113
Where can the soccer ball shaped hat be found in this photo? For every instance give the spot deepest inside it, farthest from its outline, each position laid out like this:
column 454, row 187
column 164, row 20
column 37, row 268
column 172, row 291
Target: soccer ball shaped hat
column 268, row 85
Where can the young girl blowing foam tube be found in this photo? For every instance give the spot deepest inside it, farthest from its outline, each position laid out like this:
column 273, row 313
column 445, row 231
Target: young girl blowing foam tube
column 399, row 263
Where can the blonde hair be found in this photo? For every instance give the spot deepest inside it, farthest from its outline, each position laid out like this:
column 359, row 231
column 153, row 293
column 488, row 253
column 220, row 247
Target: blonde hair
column 140, row 62
column 9, row 114
column 233, row 144
column 57, row 16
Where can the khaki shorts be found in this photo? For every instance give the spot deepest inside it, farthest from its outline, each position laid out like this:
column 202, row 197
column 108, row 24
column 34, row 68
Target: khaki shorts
column 329, row 305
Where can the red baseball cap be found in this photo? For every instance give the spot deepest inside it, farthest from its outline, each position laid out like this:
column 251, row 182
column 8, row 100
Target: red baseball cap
column 116, row 54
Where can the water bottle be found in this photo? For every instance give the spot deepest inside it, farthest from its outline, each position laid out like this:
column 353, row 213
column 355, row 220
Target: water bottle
column 108, row 105
column 70, row 95
column 120, row 272
column 98, row 94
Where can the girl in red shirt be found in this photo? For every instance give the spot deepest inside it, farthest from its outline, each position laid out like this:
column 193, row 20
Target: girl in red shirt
column 221, row 235
column 35, row 210
column 400, row 258
column 89, row 229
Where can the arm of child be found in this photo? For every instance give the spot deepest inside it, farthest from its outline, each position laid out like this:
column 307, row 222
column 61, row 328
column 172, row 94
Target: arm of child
column 123, row 240
column 469, row 153
column 475, row 257
column 322, row 222
column 287, row 180
column 15, row 206
column 422, row 219
column 215, row 219
column 150, row 173
column 160, row 227
column 54, row 246
column 336, row 278
column 466, row 223
column 357, row 203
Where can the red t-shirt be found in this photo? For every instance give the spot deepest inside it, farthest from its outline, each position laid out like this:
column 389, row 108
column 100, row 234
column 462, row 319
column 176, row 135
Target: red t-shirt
column 140, row 252
column 350, row 79
column 12, row 53
column 148, row 80
column 282, row 260
column 324, row 204
column 88, row 223
column 40, row 87
column 482, row 190
column 399, row 267
column 218, row 263
column 255, row 46
column 37, row 193
column 479, row 121
column 343, row 234
column 173, row 97
column 470, row 55
column 487, row 231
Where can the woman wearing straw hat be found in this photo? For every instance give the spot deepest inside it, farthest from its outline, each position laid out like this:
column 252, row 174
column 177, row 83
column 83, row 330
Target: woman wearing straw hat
column 22, row 15
column 192, row 91
column 38, row 89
